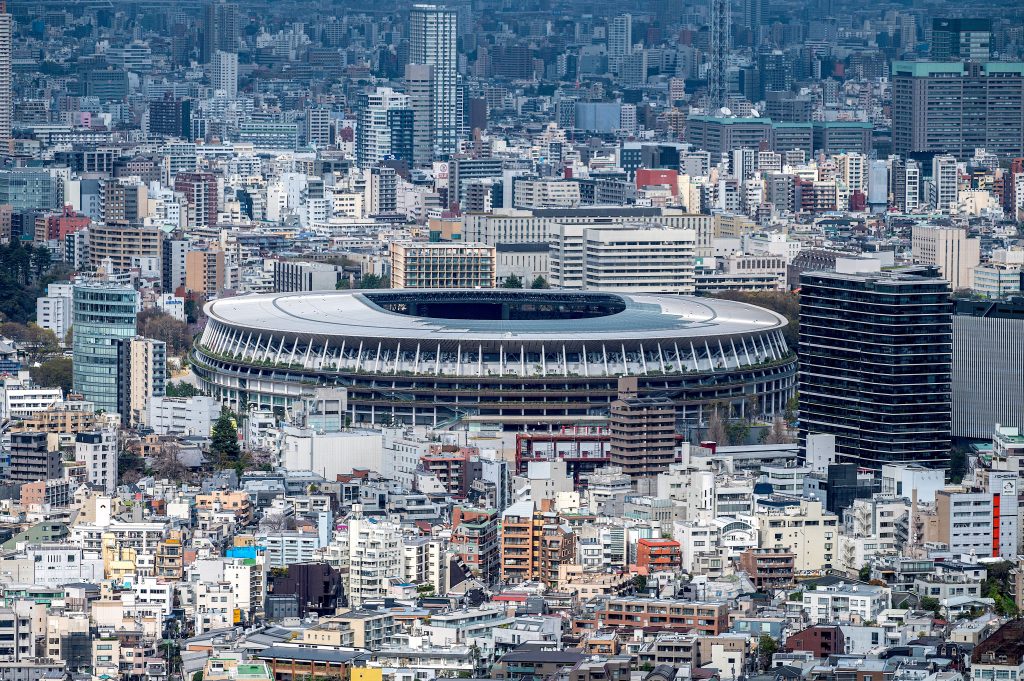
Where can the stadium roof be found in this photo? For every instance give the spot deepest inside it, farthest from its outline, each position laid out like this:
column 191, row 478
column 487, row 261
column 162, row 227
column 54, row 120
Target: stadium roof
column 451, row 314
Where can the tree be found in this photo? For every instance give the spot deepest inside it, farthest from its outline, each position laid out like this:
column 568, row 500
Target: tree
column 164, row 463
column 767, row 646
column 779, row 434
column 932, row 604
column 54, row 373
column 716, row 429
column 865, row 573
column 192, row 311
column 371, row 280
column 512, row 281
column 640, row 583
column 158, row 325
column 224, row 443
column 539, row 282
column 181, row 389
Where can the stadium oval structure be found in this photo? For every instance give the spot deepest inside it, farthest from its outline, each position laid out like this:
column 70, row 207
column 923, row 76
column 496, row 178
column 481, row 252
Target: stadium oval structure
column 512, row 358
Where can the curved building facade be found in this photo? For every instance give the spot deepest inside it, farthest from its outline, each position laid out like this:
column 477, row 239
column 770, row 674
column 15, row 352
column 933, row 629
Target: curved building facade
column 513, row 357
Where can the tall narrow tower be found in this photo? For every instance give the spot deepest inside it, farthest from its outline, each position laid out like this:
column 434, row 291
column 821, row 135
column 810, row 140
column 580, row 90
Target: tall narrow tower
column 721, row 30
column 6, row 95
column 433, row 31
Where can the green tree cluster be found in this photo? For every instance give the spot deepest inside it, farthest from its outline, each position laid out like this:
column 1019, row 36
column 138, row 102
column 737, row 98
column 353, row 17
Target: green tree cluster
column 511, row 281
column 158, row 325
column 224, row 443
column 53, row 373
column 23, row 270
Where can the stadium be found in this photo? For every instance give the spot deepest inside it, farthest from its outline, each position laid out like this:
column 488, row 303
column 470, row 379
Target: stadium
column 509, row 358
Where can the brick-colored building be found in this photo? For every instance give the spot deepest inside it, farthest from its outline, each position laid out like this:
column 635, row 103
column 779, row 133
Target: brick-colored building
column 768, row 567
column 658, row 555
column 820, row 640
column 534, row 543
column 710, row 618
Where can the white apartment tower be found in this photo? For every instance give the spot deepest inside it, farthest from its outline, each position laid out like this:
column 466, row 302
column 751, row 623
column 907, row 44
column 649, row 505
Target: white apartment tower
column 6, row 95
column 944, row 182
column 225, row 73
column 432, row 34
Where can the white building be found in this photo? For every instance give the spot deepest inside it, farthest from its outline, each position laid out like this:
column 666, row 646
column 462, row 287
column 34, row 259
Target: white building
column 623, row 257
column 845, row 603
column 20, row 402
column 373, row 552
column 332, row 453
column 214, row 607
column 98, row 451
column 225, row 73
column 53, row 311
column 182, row 415
column 950, row 250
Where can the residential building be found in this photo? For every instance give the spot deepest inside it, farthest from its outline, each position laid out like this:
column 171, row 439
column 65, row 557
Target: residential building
column 142, row 372
column 949, row 249
column 885, row 403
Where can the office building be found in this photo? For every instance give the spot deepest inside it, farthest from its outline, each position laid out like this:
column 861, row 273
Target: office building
column 27, row 189
column 875, row 363
column 170, row 117
column 623, row 257
column 142, row 368
column 956, row 107
column 419, row 84
column 442, row 265
column 988, row 366
column 949, row 249
column 224, row 73
column 6, row 92
column 103, row 314
column 966, row 39
column 291, row 276
column 433, row 31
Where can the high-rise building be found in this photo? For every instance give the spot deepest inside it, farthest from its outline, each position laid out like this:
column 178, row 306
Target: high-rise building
column 945, row 183
column 120, row 247
column 957, row 107
column 6, row 93
column 968, row 39
column 200, row 190
column 142, row 365
column 34, row 456
column 386, row 127
column 753, row 16
column 643, row 431
column 534, row 542
column 318, row 127
column 875, row 362
column 224, row 73
column 419, row 84
column 720, row 33
column 103, row 315
column 905, row 177
column 221, row 29
column 171, row 117
column 988, row 366
column 949, row 249
column 432, row 41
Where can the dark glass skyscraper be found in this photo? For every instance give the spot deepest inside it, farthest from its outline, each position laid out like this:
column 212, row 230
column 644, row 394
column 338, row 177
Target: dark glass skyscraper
column 875, row 364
